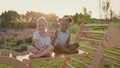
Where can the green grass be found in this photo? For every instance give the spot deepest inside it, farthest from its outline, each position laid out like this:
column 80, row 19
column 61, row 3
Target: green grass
column 5, row 66
column 56, row 63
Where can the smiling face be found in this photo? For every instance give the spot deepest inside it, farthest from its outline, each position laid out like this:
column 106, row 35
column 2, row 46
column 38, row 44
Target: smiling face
column 41, row 24
column 64, row 23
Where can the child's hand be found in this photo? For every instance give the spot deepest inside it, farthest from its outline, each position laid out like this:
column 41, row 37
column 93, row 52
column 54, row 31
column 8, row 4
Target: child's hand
column 46, row 46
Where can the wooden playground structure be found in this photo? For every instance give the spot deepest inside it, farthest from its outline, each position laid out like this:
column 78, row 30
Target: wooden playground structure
column 100, row 45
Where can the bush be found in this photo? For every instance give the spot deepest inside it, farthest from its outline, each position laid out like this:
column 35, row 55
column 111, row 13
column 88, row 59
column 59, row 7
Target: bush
column 19, row 41
column 23, row 48
column 28, row 40
column 16, row 48
column 2, row 41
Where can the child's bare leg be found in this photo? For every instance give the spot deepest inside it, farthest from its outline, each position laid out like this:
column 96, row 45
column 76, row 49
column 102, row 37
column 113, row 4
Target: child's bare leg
column 57, row 52
column 46, row 51
column 73, row 46
column 48, row 54
column 43, row 49
column 62, row 49
column 32, row 49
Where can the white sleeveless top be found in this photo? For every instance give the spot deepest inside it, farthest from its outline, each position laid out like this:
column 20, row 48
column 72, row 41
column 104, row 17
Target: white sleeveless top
column 41, row 40
column 62, row 37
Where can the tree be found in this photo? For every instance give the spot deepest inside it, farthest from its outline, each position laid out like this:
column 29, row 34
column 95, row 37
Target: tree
column 75, row 17
column 52, row 17
column 31, row 16
column 106, row 8
column 85, row 10
column 111, row 15
column 84, row 17
column 9, row 18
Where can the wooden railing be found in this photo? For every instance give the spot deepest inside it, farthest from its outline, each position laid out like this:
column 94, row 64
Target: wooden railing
column 99, row 45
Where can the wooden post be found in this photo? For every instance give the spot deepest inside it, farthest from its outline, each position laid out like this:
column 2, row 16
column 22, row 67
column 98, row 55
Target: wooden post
column 112, row 38
column 64, row 65
column 12, row 61
column 98, row 57
column 80, row 34
column 76, row 40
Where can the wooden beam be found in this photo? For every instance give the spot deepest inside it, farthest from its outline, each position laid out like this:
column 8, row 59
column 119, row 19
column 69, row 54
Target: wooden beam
column 80, row 62
column 112, row 37
column 112, row 62
column 93, row 32
column 98, row 57
column 12, row 61
column 89, row 39
column 70, row 65
column 96, row 25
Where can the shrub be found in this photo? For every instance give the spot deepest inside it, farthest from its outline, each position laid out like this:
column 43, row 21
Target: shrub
column 19, row 41
column 28, row 40
column 23, row 48
column 2, row 41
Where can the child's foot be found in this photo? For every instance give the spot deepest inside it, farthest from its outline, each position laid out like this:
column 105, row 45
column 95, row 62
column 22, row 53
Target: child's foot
column 83, row 53
column 38, row 52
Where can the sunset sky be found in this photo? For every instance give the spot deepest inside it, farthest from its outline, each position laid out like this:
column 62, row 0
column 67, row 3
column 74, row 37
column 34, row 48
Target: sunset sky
column 59, row 7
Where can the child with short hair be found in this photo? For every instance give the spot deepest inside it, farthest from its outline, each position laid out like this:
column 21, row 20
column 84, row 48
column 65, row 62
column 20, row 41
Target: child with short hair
column 41, row 39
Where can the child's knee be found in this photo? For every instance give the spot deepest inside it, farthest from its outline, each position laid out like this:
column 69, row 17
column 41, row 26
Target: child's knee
column 57, row 45
column 76, row 44
column 52, row 48
column 29, row 48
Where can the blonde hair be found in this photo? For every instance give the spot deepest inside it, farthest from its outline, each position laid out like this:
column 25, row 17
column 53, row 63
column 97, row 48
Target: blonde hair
column 41, row 20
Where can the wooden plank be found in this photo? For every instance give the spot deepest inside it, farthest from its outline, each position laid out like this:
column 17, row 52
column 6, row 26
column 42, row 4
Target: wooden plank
column 64, row 65
column 98, row 57
column 112, row 52
column 80, row 53
column 88, row 47
column 113, row 58
column 80, row 34
column 80, row 62
column 93, row 32
column 108, row 51
column 4, row 52
column 89, row 39
column 112, row 62
column 70, row 65
column 112, row 37
column 96, row 25
column 12, row 61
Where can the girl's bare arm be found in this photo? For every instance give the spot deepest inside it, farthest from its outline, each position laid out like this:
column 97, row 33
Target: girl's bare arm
column 67, row 42
column 37, row 44
column 54, row 37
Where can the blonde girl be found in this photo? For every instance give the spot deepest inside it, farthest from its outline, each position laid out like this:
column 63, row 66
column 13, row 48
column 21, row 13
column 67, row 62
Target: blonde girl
column 41, row 39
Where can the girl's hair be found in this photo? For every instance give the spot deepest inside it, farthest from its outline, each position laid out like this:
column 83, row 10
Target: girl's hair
column 68, row 19
column 41, row 20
